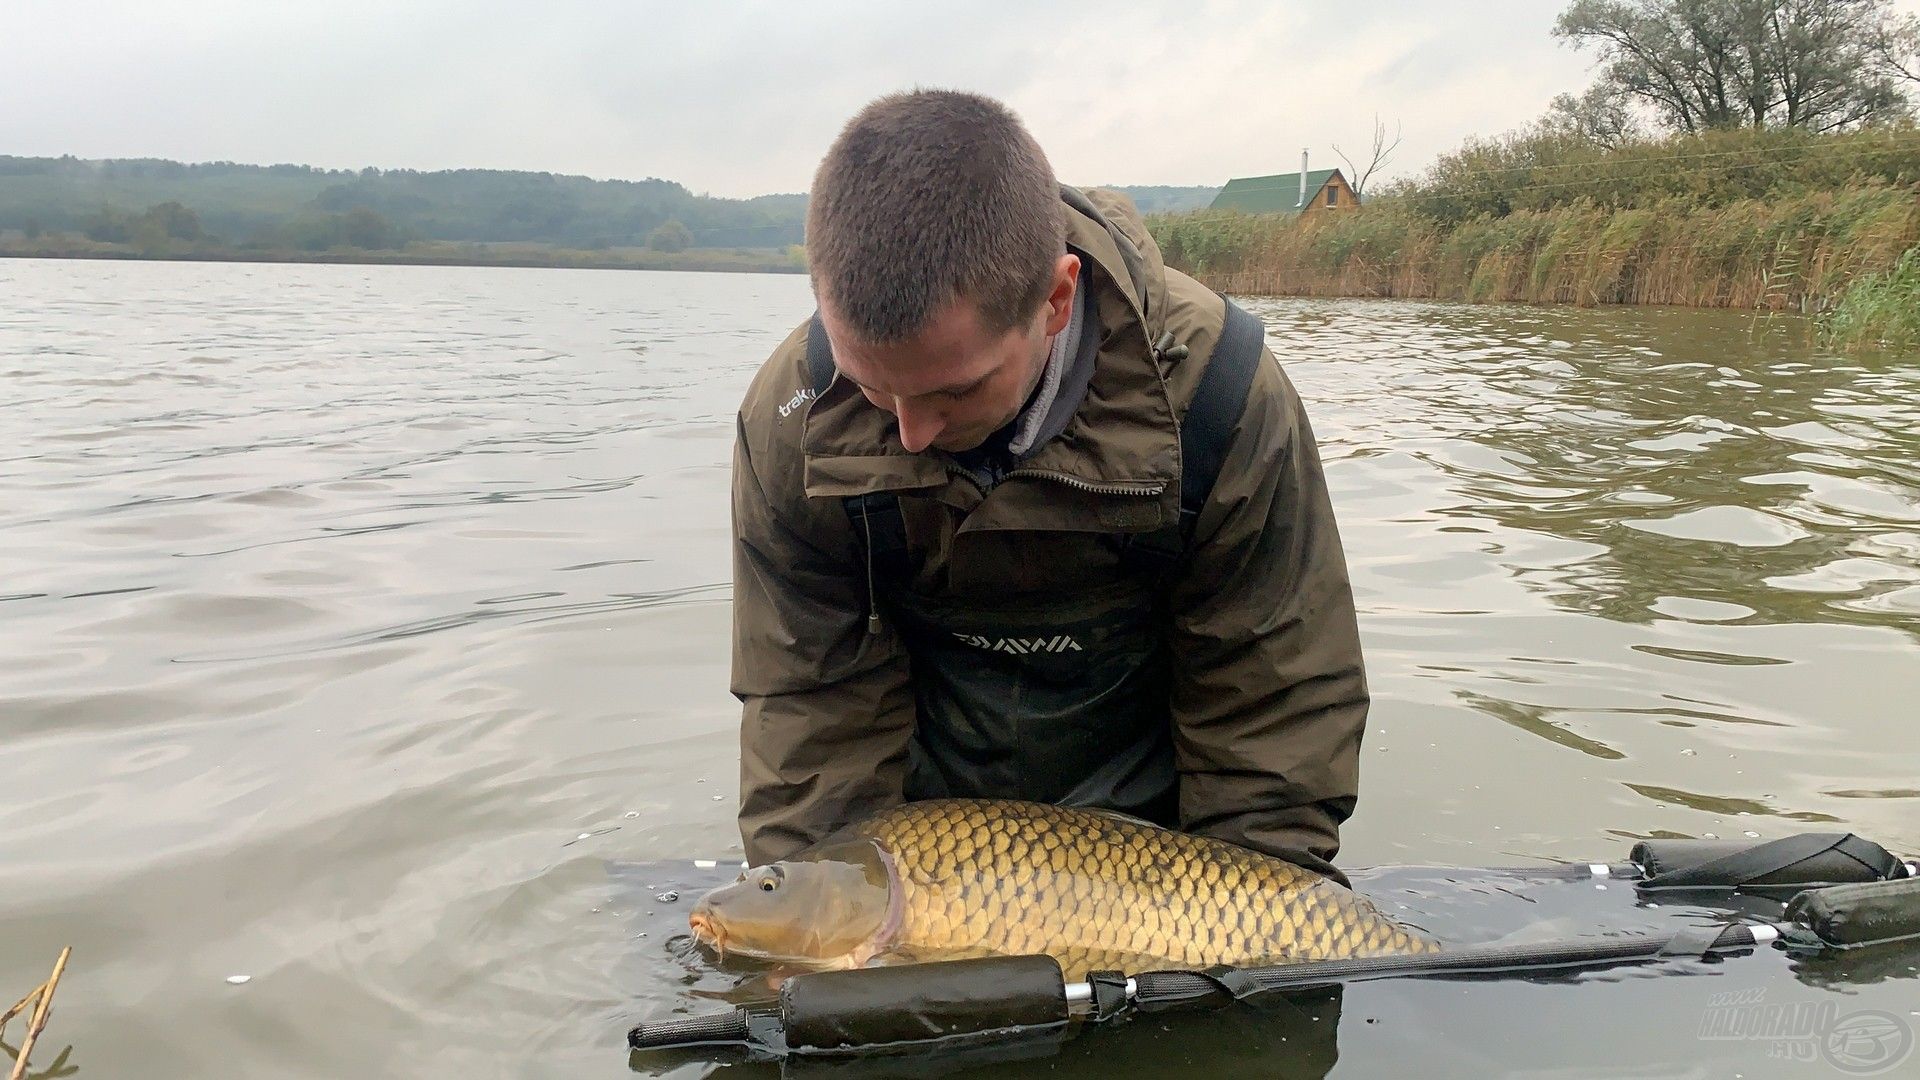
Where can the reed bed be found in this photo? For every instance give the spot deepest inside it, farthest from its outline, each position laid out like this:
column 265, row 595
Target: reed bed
column 1796, row 253
column 1776, row 220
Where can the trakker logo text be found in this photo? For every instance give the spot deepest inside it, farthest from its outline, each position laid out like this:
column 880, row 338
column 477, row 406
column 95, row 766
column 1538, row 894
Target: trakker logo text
column 1020, row 646
column 796, row 401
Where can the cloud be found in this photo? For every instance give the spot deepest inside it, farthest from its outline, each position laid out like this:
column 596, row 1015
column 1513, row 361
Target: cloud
column 742, row 98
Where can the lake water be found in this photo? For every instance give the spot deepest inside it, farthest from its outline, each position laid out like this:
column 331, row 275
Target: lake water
column 360, row 627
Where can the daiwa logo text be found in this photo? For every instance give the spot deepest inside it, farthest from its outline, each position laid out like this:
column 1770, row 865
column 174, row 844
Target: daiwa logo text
column 1021, row 646
column 796, row 401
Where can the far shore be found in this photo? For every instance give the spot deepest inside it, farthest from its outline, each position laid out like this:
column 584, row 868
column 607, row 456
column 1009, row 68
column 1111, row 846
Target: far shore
column 697, row 260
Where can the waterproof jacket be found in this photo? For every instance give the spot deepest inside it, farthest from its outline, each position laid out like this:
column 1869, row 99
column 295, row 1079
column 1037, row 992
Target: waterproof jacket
column 1021, row 649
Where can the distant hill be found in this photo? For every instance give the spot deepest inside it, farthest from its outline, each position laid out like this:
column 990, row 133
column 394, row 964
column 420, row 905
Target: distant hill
column 303, row 207
column 151, row 205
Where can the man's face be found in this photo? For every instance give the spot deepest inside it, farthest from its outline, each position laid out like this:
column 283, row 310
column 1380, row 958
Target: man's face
column 956, row 382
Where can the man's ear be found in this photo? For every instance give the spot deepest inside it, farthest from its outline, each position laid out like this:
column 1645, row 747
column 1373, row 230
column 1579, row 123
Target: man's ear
column 1066, row 278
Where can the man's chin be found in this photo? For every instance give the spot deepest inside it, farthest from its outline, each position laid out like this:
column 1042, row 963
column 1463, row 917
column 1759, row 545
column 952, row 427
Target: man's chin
column 958, row 446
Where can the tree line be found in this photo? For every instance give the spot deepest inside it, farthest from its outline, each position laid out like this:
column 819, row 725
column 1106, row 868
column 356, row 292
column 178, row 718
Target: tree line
column 141, row 202
column 146, row 204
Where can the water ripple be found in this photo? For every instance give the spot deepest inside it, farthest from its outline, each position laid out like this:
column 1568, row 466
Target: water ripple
column 342, row 601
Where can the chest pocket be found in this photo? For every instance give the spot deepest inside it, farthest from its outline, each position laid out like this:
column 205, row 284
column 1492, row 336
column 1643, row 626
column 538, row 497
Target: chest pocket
column 1061, row 702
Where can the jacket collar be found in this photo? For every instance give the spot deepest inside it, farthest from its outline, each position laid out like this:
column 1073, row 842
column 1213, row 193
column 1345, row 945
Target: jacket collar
column 1116, row 466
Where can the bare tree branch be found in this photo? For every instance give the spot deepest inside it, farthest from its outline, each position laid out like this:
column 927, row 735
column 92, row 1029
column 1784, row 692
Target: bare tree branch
column 1897, row 49
column 1382, row 150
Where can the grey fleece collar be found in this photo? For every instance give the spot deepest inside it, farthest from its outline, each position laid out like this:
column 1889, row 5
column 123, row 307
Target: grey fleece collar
column 1064, row 382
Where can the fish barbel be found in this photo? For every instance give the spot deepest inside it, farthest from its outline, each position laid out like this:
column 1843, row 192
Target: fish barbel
column 952, row 878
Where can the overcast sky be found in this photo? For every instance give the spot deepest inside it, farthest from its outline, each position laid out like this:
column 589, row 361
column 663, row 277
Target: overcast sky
column 742, row 98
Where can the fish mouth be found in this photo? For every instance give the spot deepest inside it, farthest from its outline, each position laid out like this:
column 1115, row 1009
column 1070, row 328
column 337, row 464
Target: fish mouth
column 709, row 933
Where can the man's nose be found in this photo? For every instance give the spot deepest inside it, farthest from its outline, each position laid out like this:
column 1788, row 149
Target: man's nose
column 919, row 425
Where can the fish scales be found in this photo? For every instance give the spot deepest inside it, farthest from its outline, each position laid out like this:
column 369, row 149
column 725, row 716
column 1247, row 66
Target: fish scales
column 968, row 877
column 1095, row 886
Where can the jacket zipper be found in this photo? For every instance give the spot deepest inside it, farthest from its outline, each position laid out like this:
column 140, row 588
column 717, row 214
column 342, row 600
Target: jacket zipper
column 962, row 473
column 1125, row 487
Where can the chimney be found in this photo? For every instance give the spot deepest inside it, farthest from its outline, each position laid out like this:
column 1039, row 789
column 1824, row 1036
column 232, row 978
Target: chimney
column 1302, row 204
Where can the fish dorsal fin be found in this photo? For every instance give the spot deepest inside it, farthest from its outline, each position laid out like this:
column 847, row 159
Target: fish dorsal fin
column 1074, row 961
column 1128, row 819
column 900, row 955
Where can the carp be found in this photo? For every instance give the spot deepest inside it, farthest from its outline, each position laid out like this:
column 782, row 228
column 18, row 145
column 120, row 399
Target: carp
column 953, row 878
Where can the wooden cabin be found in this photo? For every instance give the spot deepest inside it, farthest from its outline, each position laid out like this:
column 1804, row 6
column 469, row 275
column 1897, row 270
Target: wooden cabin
column 1322, row 189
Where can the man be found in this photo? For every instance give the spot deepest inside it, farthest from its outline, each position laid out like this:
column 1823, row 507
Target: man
column 961, row 565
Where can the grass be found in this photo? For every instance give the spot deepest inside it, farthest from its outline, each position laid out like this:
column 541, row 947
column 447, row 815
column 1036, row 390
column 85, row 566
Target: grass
column 1879, row 310
column 1798, row 252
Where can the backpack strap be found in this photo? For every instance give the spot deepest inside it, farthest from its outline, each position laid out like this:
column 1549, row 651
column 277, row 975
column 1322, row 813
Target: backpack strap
column 1206, row 431
column 1214, row 414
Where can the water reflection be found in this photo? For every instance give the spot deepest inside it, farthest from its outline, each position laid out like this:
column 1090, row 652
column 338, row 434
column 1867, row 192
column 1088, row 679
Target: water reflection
column 1783, row 482
column 1706, row 492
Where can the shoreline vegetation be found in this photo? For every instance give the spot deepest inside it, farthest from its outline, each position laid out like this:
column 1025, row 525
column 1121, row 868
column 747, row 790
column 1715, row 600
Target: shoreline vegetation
column 1773, row 220
column 149, row 208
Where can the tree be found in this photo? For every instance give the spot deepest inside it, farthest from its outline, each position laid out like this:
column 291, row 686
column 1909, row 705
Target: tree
column 170, row 220
column 148, row 235
column 364, row 228
column 1823, row 57
column 670, row 237
column 1602, row 116
column 1704, row 64
column 105, row 225
column 1899, row 50
column 1382, row 150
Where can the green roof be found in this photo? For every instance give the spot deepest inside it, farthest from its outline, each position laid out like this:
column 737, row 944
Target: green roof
column 1278, row 194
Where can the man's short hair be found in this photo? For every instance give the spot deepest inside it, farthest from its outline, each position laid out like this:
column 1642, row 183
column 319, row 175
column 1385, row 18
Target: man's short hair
column 927, row 197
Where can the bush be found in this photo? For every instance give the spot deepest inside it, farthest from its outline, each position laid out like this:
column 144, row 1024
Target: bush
column 671, row 237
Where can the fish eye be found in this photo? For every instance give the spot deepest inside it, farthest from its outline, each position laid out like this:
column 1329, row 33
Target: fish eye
column 768, row 884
